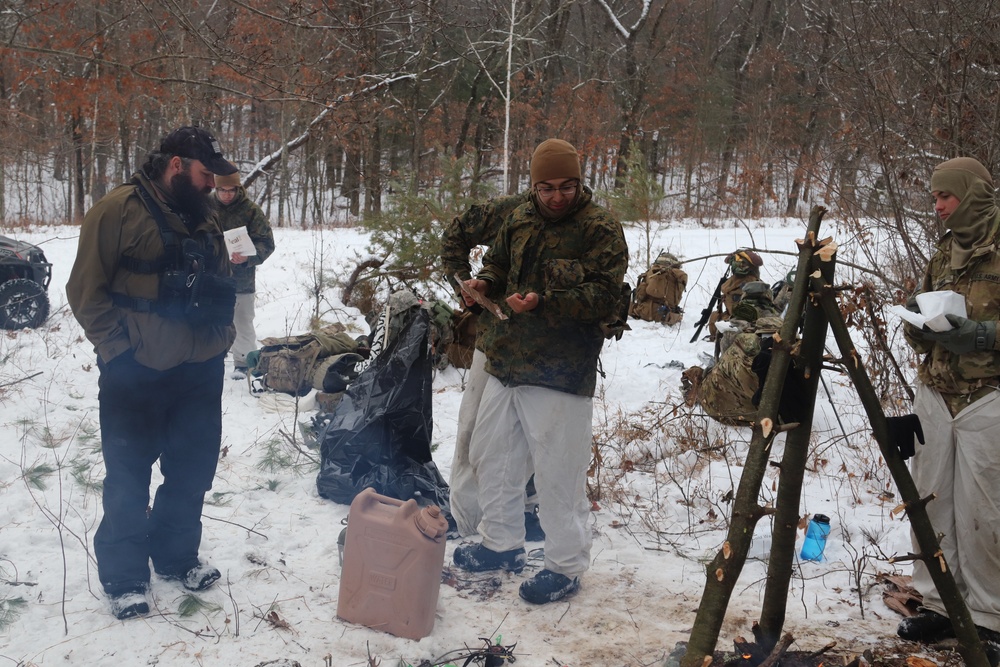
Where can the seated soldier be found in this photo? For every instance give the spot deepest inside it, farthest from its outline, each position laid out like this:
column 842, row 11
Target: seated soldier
column 745, row 267
column 726, row 390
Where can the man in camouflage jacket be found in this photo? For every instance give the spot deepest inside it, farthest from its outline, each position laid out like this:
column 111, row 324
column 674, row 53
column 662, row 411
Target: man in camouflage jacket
column 958, row 403
column 237, row 210
column 745, row 267
column 478, row 226
column 557, row 266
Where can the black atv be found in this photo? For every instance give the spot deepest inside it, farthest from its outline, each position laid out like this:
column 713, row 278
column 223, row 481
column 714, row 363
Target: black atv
column 24, row 284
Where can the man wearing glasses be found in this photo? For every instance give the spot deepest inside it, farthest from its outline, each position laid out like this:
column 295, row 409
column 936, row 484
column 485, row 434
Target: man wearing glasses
column 478, row 226
column 557, row 264
column 237, row 210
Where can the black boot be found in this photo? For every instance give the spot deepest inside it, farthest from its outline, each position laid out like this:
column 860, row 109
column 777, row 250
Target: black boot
column 926, row 626
column 533, row 527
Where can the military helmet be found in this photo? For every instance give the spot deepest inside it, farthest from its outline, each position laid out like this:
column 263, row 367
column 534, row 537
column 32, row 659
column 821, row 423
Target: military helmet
column 668, row 260
column 745, row 262
column 757, row 289
column 756, row 301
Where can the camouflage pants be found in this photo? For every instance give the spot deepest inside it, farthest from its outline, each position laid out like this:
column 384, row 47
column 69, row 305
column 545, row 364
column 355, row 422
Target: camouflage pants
column 727, row 388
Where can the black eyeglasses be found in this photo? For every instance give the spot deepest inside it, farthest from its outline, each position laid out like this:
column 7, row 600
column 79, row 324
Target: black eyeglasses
column 565, row 189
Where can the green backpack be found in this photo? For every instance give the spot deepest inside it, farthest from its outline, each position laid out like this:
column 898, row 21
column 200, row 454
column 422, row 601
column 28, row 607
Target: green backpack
column 287, row 364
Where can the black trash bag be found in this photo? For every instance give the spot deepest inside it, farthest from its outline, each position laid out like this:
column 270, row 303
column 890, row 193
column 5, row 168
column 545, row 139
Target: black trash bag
column 379, row 434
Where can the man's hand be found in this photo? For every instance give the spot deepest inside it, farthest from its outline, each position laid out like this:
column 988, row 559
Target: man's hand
column 475, row 285
column 967, row 336
column 237, row 258
column 522, row 304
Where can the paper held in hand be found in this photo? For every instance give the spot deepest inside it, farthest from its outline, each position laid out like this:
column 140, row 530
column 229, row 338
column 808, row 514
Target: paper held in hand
column 238, row 241
column 480, row 299
column 934, row 306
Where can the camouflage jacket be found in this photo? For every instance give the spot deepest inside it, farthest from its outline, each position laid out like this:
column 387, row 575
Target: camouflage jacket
column 576, row 263
column 244, row 211
column 478, row 226
column 962, row 375
column 732, row 291
column 120, row 224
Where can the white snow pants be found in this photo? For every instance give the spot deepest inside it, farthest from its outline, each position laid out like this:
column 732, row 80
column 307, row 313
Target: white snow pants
column 246, row 335
column 464, row 494
column 961, row 465
column 555, row 429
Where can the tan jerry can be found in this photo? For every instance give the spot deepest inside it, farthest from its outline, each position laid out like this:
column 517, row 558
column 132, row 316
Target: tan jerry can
column 393, row 557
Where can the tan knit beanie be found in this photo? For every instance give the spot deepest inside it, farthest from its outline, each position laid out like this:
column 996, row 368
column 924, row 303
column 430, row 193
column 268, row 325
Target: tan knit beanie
column 229, row 181
column 554, row 158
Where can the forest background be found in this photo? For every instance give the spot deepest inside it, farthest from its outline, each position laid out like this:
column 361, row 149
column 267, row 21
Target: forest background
column 395, row 115
column 340, row 108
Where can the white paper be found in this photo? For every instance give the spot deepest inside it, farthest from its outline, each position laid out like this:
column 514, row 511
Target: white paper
column 238, row 241
column 934, row 306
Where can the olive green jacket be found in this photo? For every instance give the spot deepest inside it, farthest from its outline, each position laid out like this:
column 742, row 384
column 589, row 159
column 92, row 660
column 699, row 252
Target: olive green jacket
column 243, row 211
column 576, row 264
column 121, row 224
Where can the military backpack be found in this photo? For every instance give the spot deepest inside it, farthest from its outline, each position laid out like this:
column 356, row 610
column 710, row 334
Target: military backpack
column 290, row 364
column 658, row 293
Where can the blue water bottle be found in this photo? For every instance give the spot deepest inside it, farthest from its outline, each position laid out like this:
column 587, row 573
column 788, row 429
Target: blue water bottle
column 819, row 528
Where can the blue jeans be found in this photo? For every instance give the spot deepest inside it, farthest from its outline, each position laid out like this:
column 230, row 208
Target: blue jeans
column 174, row 416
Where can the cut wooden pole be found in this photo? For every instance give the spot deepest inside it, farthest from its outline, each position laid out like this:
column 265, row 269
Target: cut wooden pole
column 725, row 568
column 793, row 462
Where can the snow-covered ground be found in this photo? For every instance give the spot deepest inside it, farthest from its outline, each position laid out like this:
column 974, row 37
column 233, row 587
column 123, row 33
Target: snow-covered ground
column 656, row 523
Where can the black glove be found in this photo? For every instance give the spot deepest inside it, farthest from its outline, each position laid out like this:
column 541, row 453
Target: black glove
column 902, row 431
column 967, row 336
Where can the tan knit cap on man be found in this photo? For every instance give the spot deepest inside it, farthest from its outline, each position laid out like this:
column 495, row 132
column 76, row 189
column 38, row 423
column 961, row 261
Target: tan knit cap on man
column 554, row 158
column 229, row 181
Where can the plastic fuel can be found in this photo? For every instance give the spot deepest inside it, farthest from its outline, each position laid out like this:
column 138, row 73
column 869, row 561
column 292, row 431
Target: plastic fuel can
column 393, row 557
